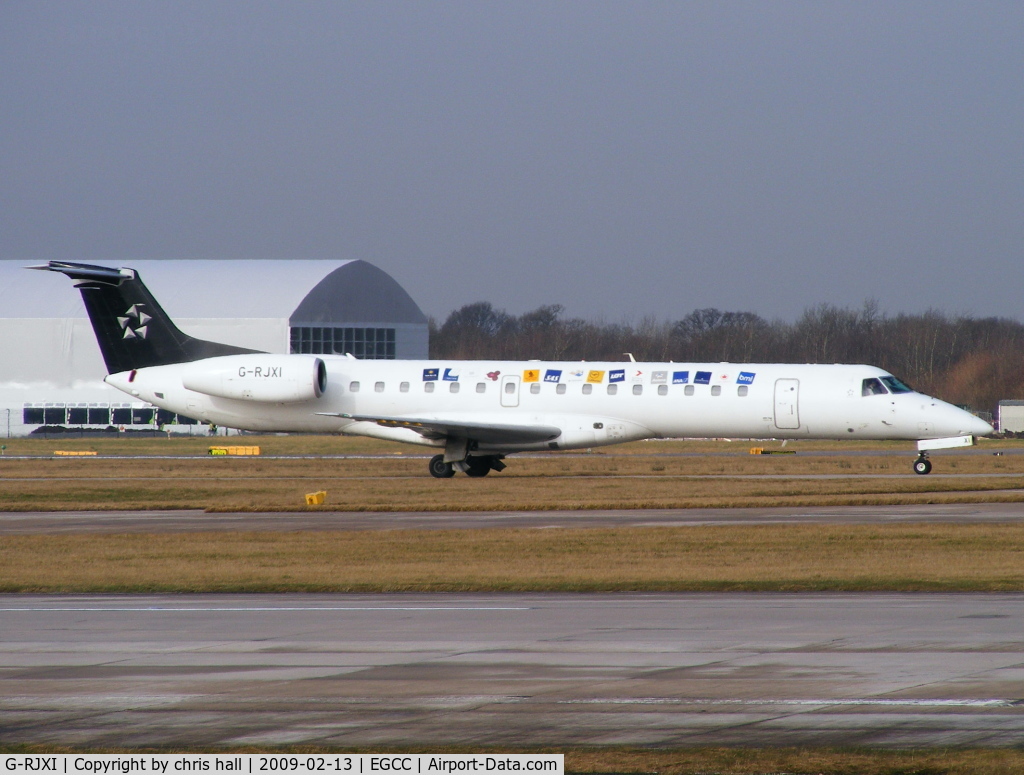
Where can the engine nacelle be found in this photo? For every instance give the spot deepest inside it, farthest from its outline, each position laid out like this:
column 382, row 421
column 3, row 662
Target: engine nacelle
column 280, row 379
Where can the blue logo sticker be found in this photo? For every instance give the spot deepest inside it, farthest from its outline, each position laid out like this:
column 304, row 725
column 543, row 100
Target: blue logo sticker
column 680, row 377
column 745, row 378
column 451, row 375
column 429, row 375
column 702, row 378
column 619, row 375
column 552, row 375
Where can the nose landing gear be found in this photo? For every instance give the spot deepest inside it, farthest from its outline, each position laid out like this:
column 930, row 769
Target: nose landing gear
column 922, row 465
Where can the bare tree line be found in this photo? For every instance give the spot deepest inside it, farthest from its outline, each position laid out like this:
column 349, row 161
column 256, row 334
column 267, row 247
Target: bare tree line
column 962, row 359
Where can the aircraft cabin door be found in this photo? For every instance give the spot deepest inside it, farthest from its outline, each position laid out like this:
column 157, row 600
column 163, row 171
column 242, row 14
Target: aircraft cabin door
column 787, row 403
column 510, row 390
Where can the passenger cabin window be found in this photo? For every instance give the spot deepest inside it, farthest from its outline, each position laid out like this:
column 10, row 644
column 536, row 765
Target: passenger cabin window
column 535, row 387
column 741, row 390
column 662, row 390
column 428, row 387
column 353, row 387
column 588, row 389
column 613, row 389
column 453, row 387
column 510, row 387
column 716, row 390
column 638, row 390
column 560, row 389
column 897, row 386
column 872, row 387
column 688, row 390
column 378, row 387
column 481, row 387
column 403, row 387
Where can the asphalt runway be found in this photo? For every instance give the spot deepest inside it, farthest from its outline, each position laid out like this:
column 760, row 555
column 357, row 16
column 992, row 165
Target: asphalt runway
column 65, row 522
column 891, row 670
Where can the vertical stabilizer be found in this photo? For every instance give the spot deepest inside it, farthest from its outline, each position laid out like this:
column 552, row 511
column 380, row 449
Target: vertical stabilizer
column 132, row 329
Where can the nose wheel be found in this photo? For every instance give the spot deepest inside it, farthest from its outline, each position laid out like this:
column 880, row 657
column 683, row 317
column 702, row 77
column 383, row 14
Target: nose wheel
column 922, row 465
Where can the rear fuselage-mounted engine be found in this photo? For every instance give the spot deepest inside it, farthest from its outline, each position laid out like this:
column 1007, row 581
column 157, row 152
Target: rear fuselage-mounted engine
column 281, row 379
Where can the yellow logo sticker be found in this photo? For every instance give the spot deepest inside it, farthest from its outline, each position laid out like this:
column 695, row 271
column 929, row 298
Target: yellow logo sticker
column 531, row 375
column 595, row 376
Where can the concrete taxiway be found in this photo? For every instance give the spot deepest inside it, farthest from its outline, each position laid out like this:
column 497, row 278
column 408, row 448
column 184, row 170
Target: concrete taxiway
column 57, row 522
column 513, row 670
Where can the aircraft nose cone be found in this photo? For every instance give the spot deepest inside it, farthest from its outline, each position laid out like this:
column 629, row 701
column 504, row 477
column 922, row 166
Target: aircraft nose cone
column 979, row 427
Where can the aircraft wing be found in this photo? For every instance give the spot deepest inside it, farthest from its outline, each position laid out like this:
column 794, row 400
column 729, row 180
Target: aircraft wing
column 489, row 433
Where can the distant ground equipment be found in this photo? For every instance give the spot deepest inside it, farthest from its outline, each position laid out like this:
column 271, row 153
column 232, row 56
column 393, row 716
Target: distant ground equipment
column 1011, row 416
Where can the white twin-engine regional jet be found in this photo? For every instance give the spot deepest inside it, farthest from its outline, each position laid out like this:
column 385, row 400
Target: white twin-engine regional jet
column 480, row 411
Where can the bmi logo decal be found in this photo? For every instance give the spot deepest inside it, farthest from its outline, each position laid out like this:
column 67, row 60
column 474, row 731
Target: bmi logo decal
column 134, row 322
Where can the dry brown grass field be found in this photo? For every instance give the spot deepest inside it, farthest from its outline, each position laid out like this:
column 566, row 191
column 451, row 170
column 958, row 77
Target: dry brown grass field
column 177, row 473
column 900, row 557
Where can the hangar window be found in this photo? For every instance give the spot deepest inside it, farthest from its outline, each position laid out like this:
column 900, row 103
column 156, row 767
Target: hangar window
column 588, row 389
column 32, row 415
column 638, row 390
column 99, row 415
column 688, row 390
column 142, row 416
column 121, row 416
column 78, row 416
column 716, row 390
column 365, row 343
column 535, row 387
column 55, row 415
column 353, row 387
column 662, row 390
column 403, row 387
column 872, row 387
column 481, row 387
column 378, row 387
column 560, row 389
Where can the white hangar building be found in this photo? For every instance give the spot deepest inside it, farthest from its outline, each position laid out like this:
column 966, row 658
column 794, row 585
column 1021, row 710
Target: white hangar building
column 51, row 370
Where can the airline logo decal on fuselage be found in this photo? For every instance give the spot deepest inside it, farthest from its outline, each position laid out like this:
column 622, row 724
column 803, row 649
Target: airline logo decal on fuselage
column 617, row 375
column 745, row 378
column 680, row 377
column 553, row 375
column 429, row 375
column 702, row 378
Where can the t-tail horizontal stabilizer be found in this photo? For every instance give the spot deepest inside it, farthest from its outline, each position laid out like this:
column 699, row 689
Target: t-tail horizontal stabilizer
column 131, row 328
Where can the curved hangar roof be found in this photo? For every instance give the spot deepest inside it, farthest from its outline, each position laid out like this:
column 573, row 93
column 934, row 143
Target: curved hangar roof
column 357, row 292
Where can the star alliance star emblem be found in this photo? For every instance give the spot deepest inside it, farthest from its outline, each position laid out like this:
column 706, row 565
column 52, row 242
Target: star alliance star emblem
column 134, row 322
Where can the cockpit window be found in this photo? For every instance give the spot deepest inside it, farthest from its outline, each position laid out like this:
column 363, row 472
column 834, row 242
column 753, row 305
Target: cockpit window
column 872, row 387
column 896, row 386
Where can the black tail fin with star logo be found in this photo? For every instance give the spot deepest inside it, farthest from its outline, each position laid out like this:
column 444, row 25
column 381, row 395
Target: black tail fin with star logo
column 132, row 329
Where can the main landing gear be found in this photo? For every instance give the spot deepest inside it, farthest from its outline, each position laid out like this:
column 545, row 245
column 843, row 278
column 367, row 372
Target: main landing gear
column 922, row 465
column 475, row 466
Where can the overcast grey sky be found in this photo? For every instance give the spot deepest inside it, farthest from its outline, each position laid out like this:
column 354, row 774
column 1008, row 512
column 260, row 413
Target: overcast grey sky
column 622, row 159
